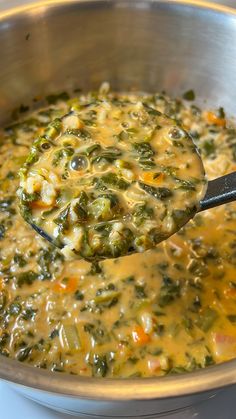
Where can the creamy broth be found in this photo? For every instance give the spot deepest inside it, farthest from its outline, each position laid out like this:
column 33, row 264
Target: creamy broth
column 168, row 310
column 112, row 177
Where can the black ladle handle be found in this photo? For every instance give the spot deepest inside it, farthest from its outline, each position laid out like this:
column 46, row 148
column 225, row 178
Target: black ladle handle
column 219, row 191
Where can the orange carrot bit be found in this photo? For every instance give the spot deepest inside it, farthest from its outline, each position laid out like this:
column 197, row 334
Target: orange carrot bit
column 40, row 130
column 230, row 292
column 84, row 371
column 152, row 177
column 215, row 120
column 1, row 284
column 139, row 336
column 66, row 285
column 40, row 205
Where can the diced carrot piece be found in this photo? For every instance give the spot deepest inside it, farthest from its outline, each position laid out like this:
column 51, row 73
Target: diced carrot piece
column 152, row 177
column 139, row 336
column 221, row 338
column 1, row 284
column 66, row 285
column 40, row 130
column 83, row 371
column 230, row 292
column 215, row 120
column 40, row 205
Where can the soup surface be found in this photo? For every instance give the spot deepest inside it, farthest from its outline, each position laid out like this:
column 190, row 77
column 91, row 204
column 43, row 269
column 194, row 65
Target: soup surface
column 168, row 310
column 112, row 177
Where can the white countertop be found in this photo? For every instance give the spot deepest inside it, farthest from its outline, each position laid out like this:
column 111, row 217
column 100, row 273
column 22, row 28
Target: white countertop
column 14, row 406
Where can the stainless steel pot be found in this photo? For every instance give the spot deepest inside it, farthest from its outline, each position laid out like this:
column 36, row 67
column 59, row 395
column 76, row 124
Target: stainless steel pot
column 150, row 45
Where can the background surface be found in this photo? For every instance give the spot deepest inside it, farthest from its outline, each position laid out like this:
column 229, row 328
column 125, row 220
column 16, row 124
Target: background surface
column 6, row 4
column 13, row 406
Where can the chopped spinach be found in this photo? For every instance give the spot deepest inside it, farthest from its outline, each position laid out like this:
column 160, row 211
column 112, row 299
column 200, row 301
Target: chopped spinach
column 61, row 154
column 140, row 291
column 81, row 133
column 158, row 193
column 20, row 260
column 221, row 113
column 2, row 231
column 145, row 155
column 189, row 95
column 6, row 205
column 208, row 148
column 100, row 366
column 143, row 149
column 206, row 319
column 111, row 180
column 29, row 313
column 62, row 220
column 169, row 291
column 46, row 259
column 79, row 296
column 231, row 318
column 141, row 213
column 54, row 98
column 26, row 278
column 23, row 354
column 98, row 332
column 109, row 155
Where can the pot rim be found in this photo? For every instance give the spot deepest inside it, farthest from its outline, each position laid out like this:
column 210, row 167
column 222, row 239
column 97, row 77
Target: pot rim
column 31, row 7
column 204, row 380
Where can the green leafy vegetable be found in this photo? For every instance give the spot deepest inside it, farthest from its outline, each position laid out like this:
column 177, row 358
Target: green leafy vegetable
column 189, row 95
column 158, row 193
column 70, row 337
column 54, row 98
column 26, row 278
column 111, row 180
column 207, row 318
column 62, row 220
column 170, row 290
column 100, row 365
column 209, row 148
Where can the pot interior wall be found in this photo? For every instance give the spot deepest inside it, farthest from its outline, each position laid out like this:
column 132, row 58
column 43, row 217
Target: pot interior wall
column 147, row 45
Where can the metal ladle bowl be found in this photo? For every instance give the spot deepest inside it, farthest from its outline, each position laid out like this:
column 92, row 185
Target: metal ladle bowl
column 219, row 191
